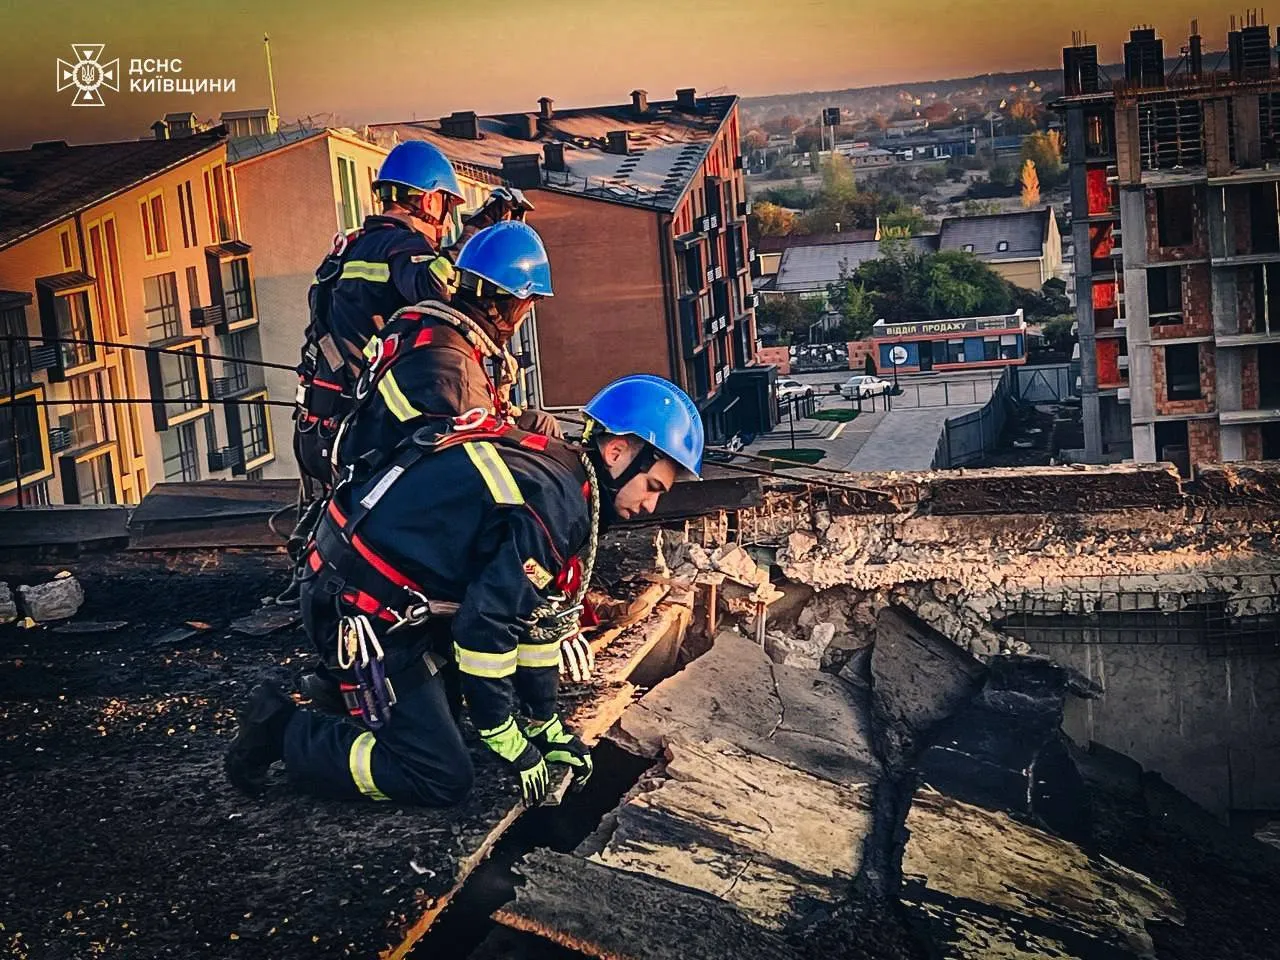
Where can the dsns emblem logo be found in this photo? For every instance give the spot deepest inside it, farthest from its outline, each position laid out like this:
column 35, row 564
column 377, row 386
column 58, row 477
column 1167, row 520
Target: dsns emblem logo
column 87, row 74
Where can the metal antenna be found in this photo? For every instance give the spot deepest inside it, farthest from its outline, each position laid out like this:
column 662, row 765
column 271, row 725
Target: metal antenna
column 271, row 78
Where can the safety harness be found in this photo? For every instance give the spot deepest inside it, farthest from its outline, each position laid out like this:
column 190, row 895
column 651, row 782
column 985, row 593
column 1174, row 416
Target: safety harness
column 354, row 573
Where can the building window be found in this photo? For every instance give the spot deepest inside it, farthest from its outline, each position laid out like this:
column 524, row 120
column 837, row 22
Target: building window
column 160, row 304
column 235, row 370
column 35, row 494
column 237, row 290
column 1008, row 346
column 90, row 422
column 1182, row 371
column 15, row 354
column 255, row 434
column 180, row 379
column 1164, row 295
column 193, row 287
column 955, row 351
column 187, row 213
column 1002, row 246
column 215, row 196
column 95, row 482
column 348, row 197
column 64, row 247
column 967, row 248
column 117, row 277
column 71, row 313
column 106, row 270
column 181, row 457
column 23, row 419
column 1173, row 216
column 155, row 231
column 254, row 476
column 990, row 348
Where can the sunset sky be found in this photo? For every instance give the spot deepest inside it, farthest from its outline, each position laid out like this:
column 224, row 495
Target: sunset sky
column 390, row 59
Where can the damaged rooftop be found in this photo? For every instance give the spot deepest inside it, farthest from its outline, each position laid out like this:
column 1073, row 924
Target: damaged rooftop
column 958, row 714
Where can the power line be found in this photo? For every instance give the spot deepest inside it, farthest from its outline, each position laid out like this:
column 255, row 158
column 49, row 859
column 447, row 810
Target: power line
column 185, row 350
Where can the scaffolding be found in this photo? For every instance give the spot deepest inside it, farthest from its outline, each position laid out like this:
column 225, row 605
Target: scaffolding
column 1171, row 134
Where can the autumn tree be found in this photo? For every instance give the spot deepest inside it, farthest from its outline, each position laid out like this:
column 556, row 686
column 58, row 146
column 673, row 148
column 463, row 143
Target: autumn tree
column 771, row 220
column 1044, row 149
column 1030, row 184
column 754, row 140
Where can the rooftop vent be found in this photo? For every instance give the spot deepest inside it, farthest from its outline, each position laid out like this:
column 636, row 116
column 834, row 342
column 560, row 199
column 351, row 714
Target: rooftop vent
column 553, row 157
column 618, row 142
column 686, row 98
column 525, row 127
column 640, row 101
column 461, row 124
column 523, row 171
column 544, row 108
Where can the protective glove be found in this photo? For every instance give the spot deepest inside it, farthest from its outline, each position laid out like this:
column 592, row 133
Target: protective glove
column 504, row 203
column 558, row 745
column 577, row 659
column 526, row 760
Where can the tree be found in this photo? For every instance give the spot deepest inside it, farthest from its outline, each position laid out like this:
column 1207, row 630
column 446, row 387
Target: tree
column 771, row 220
column 1030, row 184
column 869, row 368
column 1044, row 149
column 1056, row 333
column 906, row 222
column 854, row 304
column 790, row 316
column 838, row 182
column 754, row 140
column 807, row 139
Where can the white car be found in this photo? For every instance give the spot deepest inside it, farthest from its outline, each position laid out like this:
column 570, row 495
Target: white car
column 864, row 386
column 789, row 389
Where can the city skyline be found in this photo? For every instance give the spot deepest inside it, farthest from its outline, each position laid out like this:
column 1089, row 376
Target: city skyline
column 578, row 52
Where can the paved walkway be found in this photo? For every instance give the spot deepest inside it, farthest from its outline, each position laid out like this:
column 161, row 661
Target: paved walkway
column 903, row 439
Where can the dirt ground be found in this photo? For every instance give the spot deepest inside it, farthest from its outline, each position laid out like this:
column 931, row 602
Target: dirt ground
column 121, row 836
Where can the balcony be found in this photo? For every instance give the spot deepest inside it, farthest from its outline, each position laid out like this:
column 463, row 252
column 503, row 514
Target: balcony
column 225, row 459
column 61, row 438
column 690, row 334
column 707, row 224
column 744, row 208
column 209, row 316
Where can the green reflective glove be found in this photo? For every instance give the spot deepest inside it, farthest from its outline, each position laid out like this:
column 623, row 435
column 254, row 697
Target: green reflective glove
column 511, row 745
column 558, row 745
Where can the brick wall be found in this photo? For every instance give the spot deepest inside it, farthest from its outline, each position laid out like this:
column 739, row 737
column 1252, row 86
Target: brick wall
column 1246, row 306
column 1208, row 384
column 1249, row 399
column 1199, row 246
column 1202, row 441
column 1197, row 306
column 859, row 350
column 1253, row 443
column 779, row 357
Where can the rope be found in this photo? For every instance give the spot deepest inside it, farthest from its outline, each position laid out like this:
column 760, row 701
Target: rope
column 472, row 332
column 550, row 612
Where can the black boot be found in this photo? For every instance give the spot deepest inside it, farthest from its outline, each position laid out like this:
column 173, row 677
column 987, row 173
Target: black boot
column 260, row 740
column 321, row 688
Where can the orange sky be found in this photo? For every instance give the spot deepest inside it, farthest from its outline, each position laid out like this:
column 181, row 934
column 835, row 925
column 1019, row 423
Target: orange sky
column 391, row 59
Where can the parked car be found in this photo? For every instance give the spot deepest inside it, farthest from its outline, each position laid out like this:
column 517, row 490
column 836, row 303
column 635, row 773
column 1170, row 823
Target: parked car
column 864, row 386
column 789, row 389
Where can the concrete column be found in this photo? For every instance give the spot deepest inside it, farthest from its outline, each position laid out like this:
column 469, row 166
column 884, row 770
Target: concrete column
column 1133, row 218
column 1144, row 443
column 1231, row 439
column 1084, row 288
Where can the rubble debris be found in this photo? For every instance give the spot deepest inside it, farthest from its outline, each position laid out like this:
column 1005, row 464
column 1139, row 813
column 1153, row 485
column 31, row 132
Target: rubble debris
column 91, row 626
column 619, row 915
column 812, row 721
column 59, row 599
column 8, row 605
column 734, row 562
column 266, row 621
column 803, row 653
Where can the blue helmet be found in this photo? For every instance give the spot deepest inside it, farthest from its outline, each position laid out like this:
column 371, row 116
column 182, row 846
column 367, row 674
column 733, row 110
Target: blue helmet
column 656, row 411
column 510, row 255
column 421, row 166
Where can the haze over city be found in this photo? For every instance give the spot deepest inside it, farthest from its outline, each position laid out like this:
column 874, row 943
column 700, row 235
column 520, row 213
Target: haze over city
column 400, row 59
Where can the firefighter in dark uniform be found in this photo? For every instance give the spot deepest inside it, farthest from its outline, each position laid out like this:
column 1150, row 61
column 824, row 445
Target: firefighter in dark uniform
column 451, row 359
column 484, row 531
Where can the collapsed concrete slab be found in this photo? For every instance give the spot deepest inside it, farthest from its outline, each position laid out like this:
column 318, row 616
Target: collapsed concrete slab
column 59, row 599
column 811, row 721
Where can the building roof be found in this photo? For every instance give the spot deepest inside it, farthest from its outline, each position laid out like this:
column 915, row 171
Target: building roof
column 49, row 182
column 244, row 148
column 667, row 144
column 806, row 269
column 779, row 244
column 1025, row 231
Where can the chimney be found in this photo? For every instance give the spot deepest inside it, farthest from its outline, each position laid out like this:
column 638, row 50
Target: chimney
column 525, row 127
column 1144, row 58
column 617, row 142
column 640, row 101
column 523, row 171
column 686, row 98
column 461, row 124
column 553, row 156
column 1195, row 52
column 544, row 108
column 160, row 129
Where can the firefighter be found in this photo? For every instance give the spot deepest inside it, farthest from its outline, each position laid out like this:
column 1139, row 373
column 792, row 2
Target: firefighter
column 486, row 534
column 433, row 360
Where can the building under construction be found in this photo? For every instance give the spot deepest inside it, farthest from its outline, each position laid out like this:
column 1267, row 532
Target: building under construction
column 1176, row 223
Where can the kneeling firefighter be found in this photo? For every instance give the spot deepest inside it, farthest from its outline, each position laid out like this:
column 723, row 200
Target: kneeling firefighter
column 436, row 360
column 485, row 534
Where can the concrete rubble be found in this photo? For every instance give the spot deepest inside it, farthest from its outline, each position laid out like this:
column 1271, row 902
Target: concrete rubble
column 8, row 605
column 58, row 599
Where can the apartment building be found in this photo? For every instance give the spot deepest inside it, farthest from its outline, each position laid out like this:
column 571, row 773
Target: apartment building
column 1175, row 180
column 299, row 186
column 106, row 249
column 643, row 209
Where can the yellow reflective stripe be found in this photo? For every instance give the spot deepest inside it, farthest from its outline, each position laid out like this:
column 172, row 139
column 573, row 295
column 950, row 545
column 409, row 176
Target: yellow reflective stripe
column 538, row 655
column 360, row 760
column 502, row 485
column 370, row 347
column 366, row 270
column 493, row 666
column 395, row 399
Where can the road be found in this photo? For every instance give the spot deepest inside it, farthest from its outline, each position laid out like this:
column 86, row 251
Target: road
column 961, row 388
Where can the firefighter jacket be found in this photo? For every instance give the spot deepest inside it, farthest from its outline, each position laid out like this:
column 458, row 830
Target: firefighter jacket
column 496, row 526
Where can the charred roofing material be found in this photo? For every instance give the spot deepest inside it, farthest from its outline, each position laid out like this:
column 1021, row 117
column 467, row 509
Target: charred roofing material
column 614, row 153
column 52, row 181
column 1020, row 235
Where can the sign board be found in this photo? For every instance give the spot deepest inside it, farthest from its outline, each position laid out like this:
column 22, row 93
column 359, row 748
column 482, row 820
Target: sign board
column 925, row 328
column 898, row 356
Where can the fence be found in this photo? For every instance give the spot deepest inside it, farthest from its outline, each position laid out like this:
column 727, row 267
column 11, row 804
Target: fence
column 1051, row 383
column 971, row 436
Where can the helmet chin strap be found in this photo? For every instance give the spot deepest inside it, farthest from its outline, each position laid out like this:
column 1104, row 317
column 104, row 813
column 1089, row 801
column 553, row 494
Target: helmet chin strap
column 610, row 485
